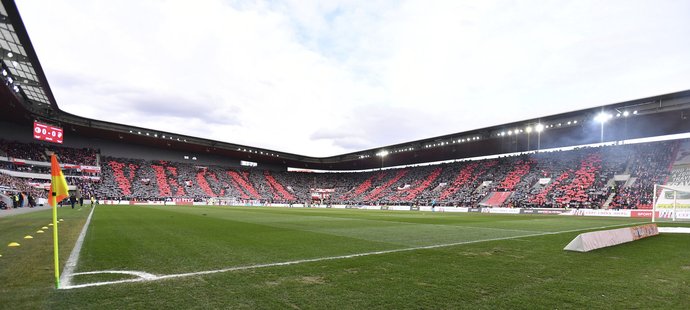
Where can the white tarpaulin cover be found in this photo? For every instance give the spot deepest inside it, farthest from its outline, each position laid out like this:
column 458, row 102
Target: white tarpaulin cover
column 605, row 238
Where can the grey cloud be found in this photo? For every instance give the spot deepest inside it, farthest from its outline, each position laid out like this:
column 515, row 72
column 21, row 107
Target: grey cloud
column 376, row 125
column 168, row 105
column 150, row 103
column 347, row 138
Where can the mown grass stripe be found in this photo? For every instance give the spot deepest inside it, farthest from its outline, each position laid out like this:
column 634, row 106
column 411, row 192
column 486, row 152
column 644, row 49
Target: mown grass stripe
column 287, row 263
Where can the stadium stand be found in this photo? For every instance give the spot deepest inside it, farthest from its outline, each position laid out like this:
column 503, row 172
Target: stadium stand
column 620, row 176
column 650, row 166
column 279, row 191
column 243, row 182
column 380, row 191
column 42, row 151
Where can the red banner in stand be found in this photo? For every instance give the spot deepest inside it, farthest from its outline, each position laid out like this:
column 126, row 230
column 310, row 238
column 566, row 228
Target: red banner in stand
column 47, row 133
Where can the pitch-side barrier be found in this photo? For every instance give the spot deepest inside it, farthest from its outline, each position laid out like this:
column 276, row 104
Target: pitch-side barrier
column 682, row 214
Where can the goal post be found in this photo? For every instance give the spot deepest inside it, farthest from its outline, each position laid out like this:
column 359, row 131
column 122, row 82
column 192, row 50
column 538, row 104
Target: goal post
column 670, row 203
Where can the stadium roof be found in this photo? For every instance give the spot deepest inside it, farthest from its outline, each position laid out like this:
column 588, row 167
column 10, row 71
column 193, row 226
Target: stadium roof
column 16, row 63
column 652, row 116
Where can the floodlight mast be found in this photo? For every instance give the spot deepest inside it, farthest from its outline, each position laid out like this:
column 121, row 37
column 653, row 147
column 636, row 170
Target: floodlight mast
column 539, row 128
column 602, row 118
column 382, row 154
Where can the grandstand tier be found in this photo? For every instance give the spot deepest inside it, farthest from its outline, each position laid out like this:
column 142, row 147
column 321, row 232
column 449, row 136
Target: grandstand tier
column 615, row 176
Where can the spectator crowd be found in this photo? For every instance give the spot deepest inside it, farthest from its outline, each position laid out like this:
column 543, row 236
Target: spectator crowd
column 580, row 178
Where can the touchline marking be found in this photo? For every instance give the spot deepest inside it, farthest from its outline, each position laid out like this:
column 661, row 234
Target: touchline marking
column 68, row 272
column 147, row 277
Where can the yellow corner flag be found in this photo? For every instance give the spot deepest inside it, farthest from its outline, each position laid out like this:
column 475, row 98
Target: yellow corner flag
column 58, row 183
column 58, row 191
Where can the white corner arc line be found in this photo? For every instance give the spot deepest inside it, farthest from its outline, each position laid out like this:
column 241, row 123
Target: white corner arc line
column 146, row 277
column 71, row 265
column 140, row 274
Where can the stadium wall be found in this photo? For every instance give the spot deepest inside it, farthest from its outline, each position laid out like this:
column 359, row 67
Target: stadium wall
column 17, row 132
column 627, row 213
column 23, row 133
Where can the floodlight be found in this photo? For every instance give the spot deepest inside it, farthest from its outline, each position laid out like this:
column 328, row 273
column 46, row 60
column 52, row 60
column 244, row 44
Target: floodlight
column 575, row 122
column 602, row 117
column 635, row 112
column 626, row 113
column 4, row 72
column 9, row 54
column 382, row 153
column 618, row 115
column 510, row 132
column 528, row 129
column 539, row 128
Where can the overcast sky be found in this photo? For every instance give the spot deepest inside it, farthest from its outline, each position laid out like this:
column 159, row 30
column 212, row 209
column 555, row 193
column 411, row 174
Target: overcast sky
column 321, row 78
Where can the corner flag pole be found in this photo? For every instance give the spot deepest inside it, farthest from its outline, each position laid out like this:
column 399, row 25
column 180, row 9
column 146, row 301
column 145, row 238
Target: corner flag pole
column 58, row 191
column 56, row 255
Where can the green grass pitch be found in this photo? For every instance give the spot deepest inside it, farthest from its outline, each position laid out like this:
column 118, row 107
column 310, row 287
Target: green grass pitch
column 337, row 259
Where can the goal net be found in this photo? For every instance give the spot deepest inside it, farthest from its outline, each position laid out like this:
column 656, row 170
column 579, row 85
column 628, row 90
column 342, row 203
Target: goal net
column 671, row 203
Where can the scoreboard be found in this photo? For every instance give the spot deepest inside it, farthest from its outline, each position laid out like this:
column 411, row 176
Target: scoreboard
column 47, row 133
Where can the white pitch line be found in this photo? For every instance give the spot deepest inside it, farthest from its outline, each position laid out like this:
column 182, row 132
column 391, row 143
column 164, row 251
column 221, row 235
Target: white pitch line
column 147, row 277
column 71, row 265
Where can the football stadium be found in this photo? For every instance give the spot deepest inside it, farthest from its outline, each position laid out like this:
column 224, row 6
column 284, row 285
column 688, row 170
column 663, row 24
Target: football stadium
column 579, row 209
